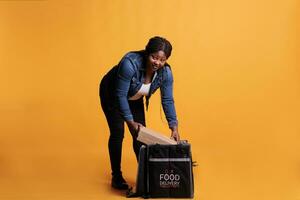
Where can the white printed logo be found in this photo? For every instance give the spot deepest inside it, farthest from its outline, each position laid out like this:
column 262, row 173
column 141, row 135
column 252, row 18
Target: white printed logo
column 169, row 179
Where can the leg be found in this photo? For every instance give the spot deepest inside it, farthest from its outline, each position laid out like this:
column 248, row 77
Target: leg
column 116, row 128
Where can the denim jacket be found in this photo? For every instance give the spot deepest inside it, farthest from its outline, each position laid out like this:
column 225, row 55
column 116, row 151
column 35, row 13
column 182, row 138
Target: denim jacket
column 129, row 80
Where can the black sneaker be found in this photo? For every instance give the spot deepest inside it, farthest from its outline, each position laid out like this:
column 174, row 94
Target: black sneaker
column 118, row 182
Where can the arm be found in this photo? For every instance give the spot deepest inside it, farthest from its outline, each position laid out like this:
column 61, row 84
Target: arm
column 168, row 103
column 124, row 76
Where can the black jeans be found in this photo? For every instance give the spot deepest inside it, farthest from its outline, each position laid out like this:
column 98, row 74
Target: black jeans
column 116, row 123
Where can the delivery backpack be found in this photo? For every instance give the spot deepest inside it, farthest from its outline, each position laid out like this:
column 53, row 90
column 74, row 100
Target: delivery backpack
column 164, row 171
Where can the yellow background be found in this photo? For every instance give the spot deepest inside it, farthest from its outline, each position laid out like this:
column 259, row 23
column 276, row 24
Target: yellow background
column 237, row 90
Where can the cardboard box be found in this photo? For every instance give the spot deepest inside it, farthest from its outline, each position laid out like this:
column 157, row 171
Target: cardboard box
column 148, row 136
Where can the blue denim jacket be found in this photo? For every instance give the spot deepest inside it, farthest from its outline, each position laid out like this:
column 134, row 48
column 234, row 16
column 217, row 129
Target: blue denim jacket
column 129, row 80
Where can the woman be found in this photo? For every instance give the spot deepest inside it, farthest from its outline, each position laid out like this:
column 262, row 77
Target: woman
column 122, row 89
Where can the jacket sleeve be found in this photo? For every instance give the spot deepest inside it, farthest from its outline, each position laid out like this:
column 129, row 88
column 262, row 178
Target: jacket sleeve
column 124, row 76
column 167, row 99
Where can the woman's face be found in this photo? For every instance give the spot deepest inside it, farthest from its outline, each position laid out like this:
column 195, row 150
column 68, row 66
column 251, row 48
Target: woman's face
column 156, row 60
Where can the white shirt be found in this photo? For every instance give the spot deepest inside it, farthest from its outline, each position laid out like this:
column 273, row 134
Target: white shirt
column 144, row 90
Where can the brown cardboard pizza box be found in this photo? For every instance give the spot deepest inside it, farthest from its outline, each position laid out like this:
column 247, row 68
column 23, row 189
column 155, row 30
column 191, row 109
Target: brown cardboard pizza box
column 148, row 136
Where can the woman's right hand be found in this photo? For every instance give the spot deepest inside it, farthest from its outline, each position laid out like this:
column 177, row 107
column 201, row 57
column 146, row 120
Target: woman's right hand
column 134, row 127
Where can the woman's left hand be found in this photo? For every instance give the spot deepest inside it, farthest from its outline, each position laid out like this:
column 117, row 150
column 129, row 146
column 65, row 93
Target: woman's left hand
column 175, row 135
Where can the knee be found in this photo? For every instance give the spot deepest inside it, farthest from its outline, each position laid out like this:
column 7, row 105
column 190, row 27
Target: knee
column 116, row 134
